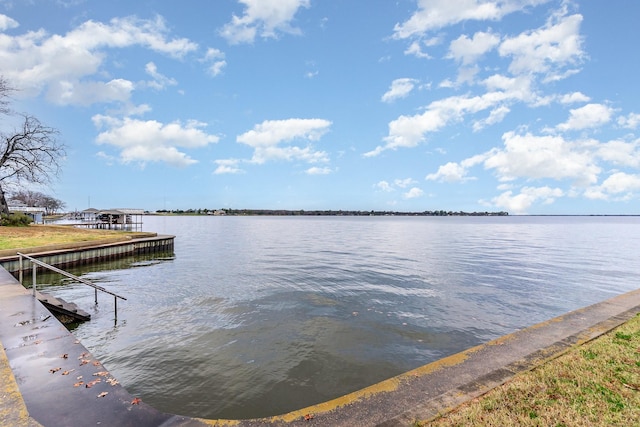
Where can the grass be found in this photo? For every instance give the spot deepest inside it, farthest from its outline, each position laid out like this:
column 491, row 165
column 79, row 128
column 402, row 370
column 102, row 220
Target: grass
column 597, row 383
column 46, row 235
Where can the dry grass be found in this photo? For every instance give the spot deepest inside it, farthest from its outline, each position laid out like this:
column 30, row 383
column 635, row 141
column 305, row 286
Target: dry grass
column 597, row 383
column 45, row 235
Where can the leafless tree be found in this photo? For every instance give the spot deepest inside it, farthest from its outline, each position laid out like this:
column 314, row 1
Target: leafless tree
column 28, row 154
column 37, row 199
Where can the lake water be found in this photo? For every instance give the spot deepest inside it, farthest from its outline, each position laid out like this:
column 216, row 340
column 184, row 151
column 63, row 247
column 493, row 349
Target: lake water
column 256, row 316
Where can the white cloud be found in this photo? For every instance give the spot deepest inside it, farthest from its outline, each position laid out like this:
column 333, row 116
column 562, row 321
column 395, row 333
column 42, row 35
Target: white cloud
column 400, row 88
column 450, row 172
column 318, row 171
column 620, row 153
column 216, row 59
column 456, row 172
column 7, row 23
column 620, row 185
column 435, row 14
column 159, row 81
column 631, row 121
column 269, row 137
column 415, row 49
column 86, row 93
column 495, row 116
column 384, row 186
column 151, row 141
column 589, row 116
column 413, row 193
column 409, row 131
column 574, row 97
column 263, row 17
column 227, row 166
column 403, row 183
column 467, row 51
column 539, row 157
column 520, row 203
column 546, row 49
column 65, row 64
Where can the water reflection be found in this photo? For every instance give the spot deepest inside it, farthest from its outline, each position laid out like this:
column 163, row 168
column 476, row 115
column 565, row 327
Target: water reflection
column 258, row 316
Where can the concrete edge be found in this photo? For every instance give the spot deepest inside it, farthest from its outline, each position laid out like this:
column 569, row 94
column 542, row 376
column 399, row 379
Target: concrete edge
column 13, row 410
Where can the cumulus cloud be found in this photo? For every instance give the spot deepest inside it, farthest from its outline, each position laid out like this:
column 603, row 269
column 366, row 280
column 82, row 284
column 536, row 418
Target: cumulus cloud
column 67, row 66
column 216, row 61
column 403, row 183
column 435, row 14
column 574, row 97
column 272, row 140
column 467, row 50
column 384, row 186
column 7, row 23
column 142, row 141
column 620, row 153
column 521, row 203
column 265, row 18
column 589, row 116
column 160, row 81
column 449, row 172
column 318, row 171
column 409, row 131
column 400, row 88
column 630, row 121
column 413, row 193
column 547, row 49
column 537, row 157
column 227, row 166
column 619, row 186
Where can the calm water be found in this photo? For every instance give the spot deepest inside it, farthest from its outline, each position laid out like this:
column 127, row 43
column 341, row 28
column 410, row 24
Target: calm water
column 256, row 316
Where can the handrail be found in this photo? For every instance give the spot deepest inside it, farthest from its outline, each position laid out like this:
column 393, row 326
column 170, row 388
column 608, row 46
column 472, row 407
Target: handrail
column 69, row 275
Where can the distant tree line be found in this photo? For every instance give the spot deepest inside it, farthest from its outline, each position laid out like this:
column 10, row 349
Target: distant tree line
column 281, row 212
column 37, row 199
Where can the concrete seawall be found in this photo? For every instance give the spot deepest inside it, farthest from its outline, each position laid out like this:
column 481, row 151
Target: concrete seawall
column 83, row 254
column 45, row 371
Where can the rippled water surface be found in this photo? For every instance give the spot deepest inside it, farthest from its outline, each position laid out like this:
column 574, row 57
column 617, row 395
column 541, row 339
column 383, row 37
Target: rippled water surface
column 256, row 316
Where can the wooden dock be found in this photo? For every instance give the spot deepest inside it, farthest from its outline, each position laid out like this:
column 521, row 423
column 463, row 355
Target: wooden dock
column 65, row 312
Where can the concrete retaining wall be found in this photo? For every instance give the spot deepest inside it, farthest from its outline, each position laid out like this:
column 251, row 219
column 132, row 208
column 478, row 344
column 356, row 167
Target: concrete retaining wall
column 78, row 255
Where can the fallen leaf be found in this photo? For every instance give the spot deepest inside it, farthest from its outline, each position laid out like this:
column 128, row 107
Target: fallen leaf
column 83, row 355
column 84, row 362
column 112, row 381
column 67, row 372
column 96, row 363
column 308, row 417
column 100, row 374
column 103, row 394
column 79, row 377
column 64, row 356
column 78, row 384
column 92, row 383
column 136, row 401
column 54, row 370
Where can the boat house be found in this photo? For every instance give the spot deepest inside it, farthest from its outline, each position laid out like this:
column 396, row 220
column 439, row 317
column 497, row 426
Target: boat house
column 111, row 219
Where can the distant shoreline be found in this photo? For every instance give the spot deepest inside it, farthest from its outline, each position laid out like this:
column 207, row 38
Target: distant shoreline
column 302, row 212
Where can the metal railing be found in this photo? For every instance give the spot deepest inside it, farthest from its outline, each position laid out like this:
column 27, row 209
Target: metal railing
column 96, row 288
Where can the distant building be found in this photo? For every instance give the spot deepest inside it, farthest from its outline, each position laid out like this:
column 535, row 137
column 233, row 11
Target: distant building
column 113, row 219
column 36, row 213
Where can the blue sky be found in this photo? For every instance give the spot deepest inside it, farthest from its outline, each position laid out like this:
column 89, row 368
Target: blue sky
column 528, row 106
